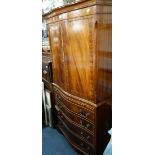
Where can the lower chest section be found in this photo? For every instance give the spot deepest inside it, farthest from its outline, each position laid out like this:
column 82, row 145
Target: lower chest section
column 81, row 122
column 77, row 121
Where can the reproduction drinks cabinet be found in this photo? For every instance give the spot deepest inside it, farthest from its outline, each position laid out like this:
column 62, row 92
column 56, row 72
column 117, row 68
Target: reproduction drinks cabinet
column 80, row 37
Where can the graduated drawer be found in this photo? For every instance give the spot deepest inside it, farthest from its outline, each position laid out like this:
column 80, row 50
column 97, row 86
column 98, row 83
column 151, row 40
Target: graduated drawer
column 78, row 108
column 75, row 140
column 81, row 132
column 75, row 118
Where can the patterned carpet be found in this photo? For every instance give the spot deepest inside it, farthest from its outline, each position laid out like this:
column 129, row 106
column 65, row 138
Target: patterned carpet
column 54, row 143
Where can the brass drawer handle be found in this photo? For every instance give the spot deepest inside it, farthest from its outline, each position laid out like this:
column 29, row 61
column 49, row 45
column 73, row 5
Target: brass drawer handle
column 81, row 122
column 81, row 133
column 88, row 137
column 84, row 114
column 81, row 112
column 87, row 126
column 87, row 114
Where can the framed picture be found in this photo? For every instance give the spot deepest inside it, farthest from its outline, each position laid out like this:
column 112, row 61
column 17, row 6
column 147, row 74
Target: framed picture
column 49, row 107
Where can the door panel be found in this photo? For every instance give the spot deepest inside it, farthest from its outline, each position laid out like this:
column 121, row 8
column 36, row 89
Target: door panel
column 78, row 48
column 57, row 54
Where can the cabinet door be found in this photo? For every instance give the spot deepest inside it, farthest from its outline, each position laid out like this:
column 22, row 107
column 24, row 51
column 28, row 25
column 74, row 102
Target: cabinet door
column 57, row 54
column 79, row 56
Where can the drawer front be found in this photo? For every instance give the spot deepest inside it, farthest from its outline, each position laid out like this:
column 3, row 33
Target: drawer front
column 74, row 140
column 75, row 118
column 76, row 108
column 79, row 131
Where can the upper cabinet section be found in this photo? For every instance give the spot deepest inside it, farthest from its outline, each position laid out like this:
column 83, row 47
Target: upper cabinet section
column 80, row 38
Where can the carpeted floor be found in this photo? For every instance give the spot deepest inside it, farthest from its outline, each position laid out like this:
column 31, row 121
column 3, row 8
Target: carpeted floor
column 54, row 143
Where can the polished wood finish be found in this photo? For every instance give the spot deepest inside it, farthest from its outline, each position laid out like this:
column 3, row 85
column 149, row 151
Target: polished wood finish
column 85, row 120
column 81, row 43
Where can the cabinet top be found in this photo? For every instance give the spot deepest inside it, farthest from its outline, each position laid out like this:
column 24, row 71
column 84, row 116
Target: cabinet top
column 75, row 4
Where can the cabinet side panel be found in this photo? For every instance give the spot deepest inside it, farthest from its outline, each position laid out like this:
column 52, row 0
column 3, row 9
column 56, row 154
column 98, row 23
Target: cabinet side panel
column 104, row 56
column 103, row 124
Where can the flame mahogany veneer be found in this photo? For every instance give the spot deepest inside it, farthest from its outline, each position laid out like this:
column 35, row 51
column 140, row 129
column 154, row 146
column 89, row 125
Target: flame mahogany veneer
column 81, row 41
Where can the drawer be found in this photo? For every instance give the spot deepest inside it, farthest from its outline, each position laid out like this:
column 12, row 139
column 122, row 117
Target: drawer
column 79, row 131
column 74, row 140
column 75, row 118
column 76, row 108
